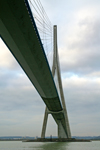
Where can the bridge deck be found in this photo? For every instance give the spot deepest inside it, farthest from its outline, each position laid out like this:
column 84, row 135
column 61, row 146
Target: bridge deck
column 18, row 30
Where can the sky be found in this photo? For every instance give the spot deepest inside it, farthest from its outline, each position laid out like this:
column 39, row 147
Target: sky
column 22, row 109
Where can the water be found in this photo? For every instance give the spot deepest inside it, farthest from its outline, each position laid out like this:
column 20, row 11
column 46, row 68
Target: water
column 18, row 145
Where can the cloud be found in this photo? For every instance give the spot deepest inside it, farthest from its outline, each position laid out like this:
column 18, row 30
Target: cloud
column 81, row 52
column 21, row 110
column 6, row 58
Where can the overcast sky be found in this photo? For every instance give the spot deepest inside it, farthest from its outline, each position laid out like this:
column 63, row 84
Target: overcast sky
column 21, row 108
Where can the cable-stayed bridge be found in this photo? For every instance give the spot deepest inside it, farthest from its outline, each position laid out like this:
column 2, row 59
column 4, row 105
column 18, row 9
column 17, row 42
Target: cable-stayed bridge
column 20, row 29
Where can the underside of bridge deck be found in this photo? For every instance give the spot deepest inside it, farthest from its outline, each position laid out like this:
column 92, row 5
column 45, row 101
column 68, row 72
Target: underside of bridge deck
column 19, row 32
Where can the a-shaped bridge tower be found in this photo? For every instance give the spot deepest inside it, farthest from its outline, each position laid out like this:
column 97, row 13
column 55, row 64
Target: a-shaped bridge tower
column 63, row 131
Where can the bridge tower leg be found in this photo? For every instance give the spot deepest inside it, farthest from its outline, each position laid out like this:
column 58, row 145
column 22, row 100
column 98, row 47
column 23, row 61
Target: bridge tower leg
column 44, row 123
column 56, row 67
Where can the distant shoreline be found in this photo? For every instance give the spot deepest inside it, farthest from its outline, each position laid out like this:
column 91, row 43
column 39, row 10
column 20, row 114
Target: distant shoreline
column 51, row 140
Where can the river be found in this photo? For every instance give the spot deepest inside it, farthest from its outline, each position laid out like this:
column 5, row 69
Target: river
column 18, row 145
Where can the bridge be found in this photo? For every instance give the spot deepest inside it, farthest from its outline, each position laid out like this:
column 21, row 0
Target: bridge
column 19, row 31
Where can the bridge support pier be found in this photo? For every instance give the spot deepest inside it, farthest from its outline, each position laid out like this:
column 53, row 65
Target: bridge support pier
column 61, row 132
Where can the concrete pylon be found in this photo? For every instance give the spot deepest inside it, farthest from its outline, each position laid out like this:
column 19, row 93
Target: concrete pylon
column 44, row 123
column 56, row 68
